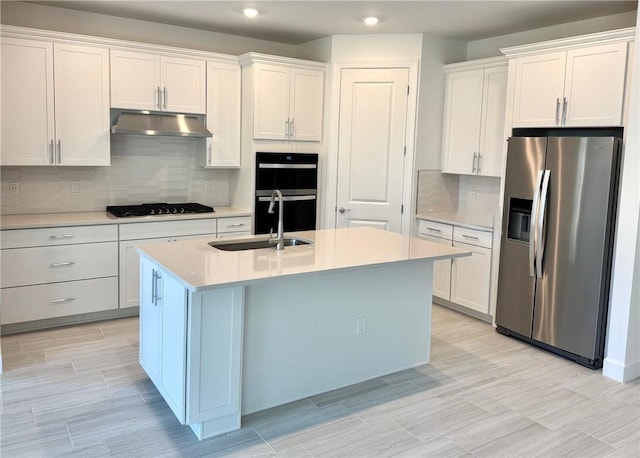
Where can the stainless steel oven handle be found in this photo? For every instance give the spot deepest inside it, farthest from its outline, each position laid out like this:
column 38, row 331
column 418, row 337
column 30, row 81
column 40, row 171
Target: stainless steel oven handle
column 532, row 225
column 288, row 198
column 287, row 166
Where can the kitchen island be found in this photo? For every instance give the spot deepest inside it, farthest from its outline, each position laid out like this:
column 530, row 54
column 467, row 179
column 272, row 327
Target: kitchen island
column 227, row 333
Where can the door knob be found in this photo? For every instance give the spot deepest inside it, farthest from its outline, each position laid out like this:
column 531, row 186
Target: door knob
column 342, row 209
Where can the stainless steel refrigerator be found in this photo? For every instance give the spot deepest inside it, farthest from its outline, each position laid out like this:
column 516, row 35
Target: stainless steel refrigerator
column 558, row 224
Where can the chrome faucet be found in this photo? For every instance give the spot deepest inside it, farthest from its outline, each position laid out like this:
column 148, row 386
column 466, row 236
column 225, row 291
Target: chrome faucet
column 279, row 238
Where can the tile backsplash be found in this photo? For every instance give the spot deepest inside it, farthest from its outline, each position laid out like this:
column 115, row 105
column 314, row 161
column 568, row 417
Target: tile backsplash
column 442, row 192
column 143, row 169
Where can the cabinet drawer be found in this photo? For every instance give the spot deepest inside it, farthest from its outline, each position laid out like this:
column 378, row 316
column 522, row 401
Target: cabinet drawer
column 441, row 230
column 472, row 236
column 174, row 228
column 28, row 303
column 22, row 238
column 32, row 266
column 235, row 224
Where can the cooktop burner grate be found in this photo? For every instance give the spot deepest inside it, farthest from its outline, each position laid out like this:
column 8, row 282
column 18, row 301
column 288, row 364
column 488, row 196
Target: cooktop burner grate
column 161, row 208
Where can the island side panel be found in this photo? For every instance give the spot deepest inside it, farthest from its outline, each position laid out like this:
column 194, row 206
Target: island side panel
column 300, row 333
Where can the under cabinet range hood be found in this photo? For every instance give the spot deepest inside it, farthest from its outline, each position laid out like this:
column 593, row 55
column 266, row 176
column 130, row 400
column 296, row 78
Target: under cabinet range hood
column 158, row 124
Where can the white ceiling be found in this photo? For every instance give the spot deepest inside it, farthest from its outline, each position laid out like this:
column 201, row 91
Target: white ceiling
column 296, row 22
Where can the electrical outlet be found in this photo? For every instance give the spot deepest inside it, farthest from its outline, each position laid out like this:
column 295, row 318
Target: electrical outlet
column 207, row 185
column 14, row 188
column 474, row 192
column 75, row 186
column 361, row 325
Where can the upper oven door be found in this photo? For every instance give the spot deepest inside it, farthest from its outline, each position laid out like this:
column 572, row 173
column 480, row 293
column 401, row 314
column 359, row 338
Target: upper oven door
column 287, row 172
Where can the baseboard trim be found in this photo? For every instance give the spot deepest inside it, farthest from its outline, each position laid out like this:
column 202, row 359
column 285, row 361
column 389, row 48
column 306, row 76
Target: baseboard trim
column 619, row 371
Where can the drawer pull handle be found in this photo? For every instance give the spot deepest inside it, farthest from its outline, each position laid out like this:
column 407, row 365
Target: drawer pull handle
column 433, row 230
column 60, row 301
column 64, row 236
column 470, row 237
column 62, row 264
column 235, row 225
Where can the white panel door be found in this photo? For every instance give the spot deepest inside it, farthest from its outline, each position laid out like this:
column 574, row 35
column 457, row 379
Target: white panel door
column 135, row 80
column 492, row 139
column 223, row 115
column 184, row 85
column 271, row 106
column 82, row 105
column 463, row 112
column 27, row 119
column 594, row 85
column 371, row 142
column 307, row 89
column 539, row 90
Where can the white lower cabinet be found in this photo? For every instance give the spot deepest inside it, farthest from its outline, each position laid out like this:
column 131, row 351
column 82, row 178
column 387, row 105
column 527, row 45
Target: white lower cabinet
column 462, row 281
column 198, row 373
column 139, row 233
column 59, row 271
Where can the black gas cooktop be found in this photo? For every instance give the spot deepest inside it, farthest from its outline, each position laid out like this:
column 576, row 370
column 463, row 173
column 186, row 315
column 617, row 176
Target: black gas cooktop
column 161, row 208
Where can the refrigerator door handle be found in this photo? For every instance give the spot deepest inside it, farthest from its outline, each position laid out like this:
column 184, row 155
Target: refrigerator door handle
column 532, row 225
column 542, row 209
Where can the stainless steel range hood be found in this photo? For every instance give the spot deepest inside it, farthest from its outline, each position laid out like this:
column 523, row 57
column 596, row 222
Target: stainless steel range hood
column 158, row 123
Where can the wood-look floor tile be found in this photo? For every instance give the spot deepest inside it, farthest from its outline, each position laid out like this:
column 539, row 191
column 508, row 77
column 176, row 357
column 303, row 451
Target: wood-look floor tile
column 120, row 327
column 49, row 440
column 334, row 396
column 124, row 373
column 279, row 413
column 627, row 450
column 94, row 451
column 63, row 337
column 16, row 360
column 613, row 424
column 10, row 344
column 440, row 447
column 570, row 443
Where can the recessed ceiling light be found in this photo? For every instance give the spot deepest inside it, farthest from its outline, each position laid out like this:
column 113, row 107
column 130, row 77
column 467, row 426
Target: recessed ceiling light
column 250, row 12
column 371, row 20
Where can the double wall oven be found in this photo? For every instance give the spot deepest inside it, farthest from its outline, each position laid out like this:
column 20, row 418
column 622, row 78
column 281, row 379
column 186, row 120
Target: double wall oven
column 296, row 176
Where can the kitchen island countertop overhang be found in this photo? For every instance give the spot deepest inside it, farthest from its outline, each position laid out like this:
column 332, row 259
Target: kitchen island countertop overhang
column 228, row 333
column 200, row 266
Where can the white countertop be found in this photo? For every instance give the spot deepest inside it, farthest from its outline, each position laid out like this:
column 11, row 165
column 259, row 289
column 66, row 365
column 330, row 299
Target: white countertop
column 93, row 218
column 200, row 266
column 480, row 221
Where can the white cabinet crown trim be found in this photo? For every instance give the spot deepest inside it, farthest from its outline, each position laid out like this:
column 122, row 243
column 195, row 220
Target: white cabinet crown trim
column 563, row 44
column 258, row 58
column 112, row 43
column 476, row 64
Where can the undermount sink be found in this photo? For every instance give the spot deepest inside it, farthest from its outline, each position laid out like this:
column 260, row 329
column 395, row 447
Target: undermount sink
column 255, row 244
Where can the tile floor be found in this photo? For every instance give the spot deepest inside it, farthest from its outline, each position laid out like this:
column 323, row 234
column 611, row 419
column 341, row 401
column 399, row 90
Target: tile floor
column 79, row 392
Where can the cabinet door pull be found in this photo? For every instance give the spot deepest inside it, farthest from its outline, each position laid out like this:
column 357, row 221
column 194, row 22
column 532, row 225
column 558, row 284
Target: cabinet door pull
column 59, row 161
column 209, row 156
column 158, row 103
column 470, row 237
column 55, row 265
column 434, row 230
column 286, row 129
column 291, row 129
column 53, row 159
column 153, row 286
column 235, row 225
column 60, row 301
column 164, row 98
column 475, row 156
column 557, row 110
column 62, row 236
column 479, row 163
column 564, row 111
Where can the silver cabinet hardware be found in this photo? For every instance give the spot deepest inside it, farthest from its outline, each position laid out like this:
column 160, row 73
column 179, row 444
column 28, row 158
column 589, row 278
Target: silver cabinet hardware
column 164, row 98
column 235, row 225
column 291, row 129
column 475, row 157
column 564, row 110
column 53, row 159
column 557, row 110
column 55, row 265
column 62, row 236
column 158, row 103
column 209, row 156
column 342, row 209
column 59, row 160
column 434, row 229
column 286, row 129
column 470, row 237
column 479, row 163
column 61, row 301
column 155, row 297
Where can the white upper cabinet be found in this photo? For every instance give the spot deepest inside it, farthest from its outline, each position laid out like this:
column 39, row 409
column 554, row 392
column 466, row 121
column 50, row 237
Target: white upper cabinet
column 287, row 99
column 573, row 88
column 223, row 114
column 55, row 104
column 143, row 81
column 473, row 132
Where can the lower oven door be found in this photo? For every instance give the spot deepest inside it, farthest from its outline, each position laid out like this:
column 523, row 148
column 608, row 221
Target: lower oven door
column 299, row 214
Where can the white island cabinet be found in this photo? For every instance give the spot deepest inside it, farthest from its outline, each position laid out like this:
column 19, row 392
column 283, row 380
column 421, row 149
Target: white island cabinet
column 227, row 333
